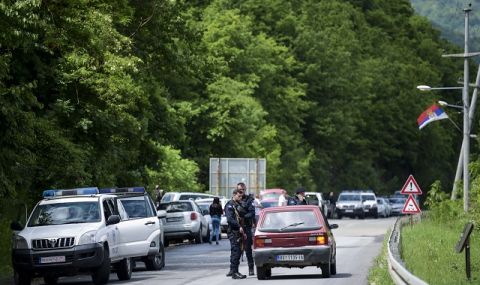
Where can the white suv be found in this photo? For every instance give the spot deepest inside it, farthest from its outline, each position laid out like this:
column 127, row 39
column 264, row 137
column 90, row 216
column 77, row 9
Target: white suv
column 143, row 234
column 370, row 206
column 70, row 232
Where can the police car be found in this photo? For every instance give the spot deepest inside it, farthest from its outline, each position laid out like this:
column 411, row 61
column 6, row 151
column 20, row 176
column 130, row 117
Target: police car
column 72, row 232
column 143, row 234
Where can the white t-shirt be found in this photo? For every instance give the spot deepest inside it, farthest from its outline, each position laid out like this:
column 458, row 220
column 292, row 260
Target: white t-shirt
column 282, row 201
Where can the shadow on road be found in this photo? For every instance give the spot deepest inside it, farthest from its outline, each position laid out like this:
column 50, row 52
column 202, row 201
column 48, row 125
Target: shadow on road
column 309, row 276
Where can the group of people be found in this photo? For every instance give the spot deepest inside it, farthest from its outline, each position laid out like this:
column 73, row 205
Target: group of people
column 242, row 215
column 298, row 199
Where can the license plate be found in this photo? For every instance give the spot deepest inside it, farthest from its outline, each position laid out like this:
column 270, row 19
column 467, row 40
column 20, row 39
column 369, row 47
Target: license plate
column 52, row 259
column 175, row 219
column 290, row 257
column 348, row 211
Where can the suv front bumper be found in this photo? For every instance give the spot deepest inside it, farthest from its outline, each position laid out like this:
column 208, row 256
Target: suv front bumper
column 350, row 212
column 77, row 258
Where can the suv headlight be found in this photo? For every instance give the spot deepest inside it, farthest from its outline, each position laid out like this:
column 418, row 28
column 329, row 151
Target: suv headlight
column 19, row 242
column 87, row 238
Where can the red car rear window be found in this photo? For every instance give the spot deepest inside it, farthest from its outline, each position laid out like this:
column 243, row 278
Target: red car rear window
column 285, row 221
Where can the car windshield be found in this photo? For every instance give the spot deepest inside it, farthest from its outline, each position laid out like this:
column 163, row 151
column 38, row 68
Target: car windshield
column 204, row 206
column 397, row 200
column 290, row 221
column 312, row 199
column 65, row 213
column 368, row 198
column 349, row 197
column 176, row 207
column 136, row 207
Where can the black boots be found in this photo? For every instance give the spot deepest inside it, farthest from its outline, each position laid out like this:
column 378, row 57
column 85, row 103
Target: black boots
column 237, row 275
column 250, row 271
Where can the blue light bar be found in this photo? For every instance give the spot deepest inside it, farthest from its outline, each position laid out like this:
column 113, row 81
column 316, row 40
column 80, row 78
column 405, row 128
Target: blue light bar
column 71, row 192
column 122, row 190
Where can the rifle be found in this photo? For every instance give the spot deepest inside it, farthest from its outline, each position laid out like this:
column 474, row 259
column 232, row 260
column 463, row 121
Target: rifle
column 242, row 238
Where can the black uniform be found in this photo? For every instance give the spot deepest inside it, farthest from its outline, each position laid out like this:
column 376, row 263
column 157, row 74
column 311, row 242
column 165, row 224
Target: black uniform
column 233, row 234
column 247, row 212
column 297, row 201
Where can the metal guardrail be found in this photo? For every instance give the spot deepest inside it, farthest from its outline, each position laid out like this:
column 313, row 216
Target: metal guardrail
column 399, row 273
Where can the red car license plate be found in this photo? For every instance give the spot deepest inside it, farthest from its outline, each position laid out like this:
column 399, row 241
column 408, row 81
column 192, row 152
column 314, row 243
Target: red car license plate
column 290, row 257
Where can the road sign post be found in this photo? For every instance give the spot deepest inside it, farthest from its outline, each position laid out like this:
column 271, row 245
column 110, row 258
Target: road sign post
column 464, row 243
column 411, row 188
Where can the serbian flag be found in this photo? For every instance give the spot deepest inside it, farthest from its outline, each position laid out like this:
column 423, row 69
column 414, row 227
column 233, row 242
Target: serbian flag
column 433, row 113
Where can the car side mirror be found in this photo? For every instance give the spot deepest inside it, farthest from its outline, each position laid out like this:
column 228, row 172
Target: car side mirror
column 161, row 214
column 113, row 219
column 205, row 212
column 16, row 226
column 333, row 226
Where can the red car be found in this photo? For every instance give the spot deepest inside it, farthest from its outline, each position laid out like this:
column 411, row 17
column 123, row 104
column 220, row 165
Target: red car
column 294, row 236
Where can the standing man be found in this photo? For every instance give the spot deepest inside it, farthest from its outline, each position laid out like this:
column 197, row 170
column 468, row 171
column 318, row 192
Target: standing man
column 235, row 234
column 282, row 200
column 247, row 213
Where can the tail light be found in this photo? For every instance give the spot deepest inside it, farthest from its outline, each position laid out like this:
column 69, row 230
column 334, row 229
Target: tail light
column 262, row 242
column 193, row 216
column 319, row 239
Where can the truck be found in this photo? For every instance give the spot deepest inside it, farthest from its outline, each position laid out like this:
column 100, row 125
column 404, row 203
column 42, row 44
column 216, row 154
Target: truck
column 225, row 173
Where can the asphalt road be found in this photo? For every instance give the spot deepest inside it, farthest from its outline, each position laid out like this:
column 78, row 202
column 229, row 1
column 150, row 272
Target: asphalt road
column 358, row 243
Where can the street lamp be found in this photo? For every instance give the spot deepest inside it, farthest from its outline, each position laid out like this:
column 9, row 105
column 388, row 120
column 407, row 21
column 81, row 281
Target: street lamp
column 445, row 104
column 428, row 88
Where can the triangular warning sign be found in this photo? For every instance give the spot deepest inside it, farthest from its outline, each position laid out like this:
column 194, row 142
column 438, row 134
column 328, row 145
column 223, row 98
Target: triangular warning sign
column 411, row 187
column 411, row 206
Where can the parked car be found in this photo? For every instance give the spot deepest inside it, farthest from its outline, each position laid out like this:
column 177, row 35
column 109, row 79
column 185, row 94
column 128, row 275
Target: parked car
column 397, row 205
column 271, row 194
column 223, row 201
column 370, row 207
column 316, row 198
column 176, row 196
column 144, row 233
column 267, row 203
column 350, row 204
column 205, row 208
column 295, row 236
column 384, row 208
column 70, row 232
column 185, row 220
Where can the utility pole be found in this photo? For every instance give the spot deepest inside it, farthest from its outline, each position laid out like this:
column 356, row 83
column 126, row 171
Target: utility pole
column 466, row 108
column 466, row 123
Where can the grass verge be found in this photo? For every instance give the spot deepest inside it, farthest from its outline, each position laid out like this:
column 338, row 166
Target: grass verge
column 428, row 250
column 378, row 274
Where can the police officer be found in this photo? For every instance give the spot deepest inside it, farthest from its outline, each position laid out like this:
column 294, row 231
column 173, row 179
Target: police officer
column 247, row 212
column 299, row 198
column 235, row 233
